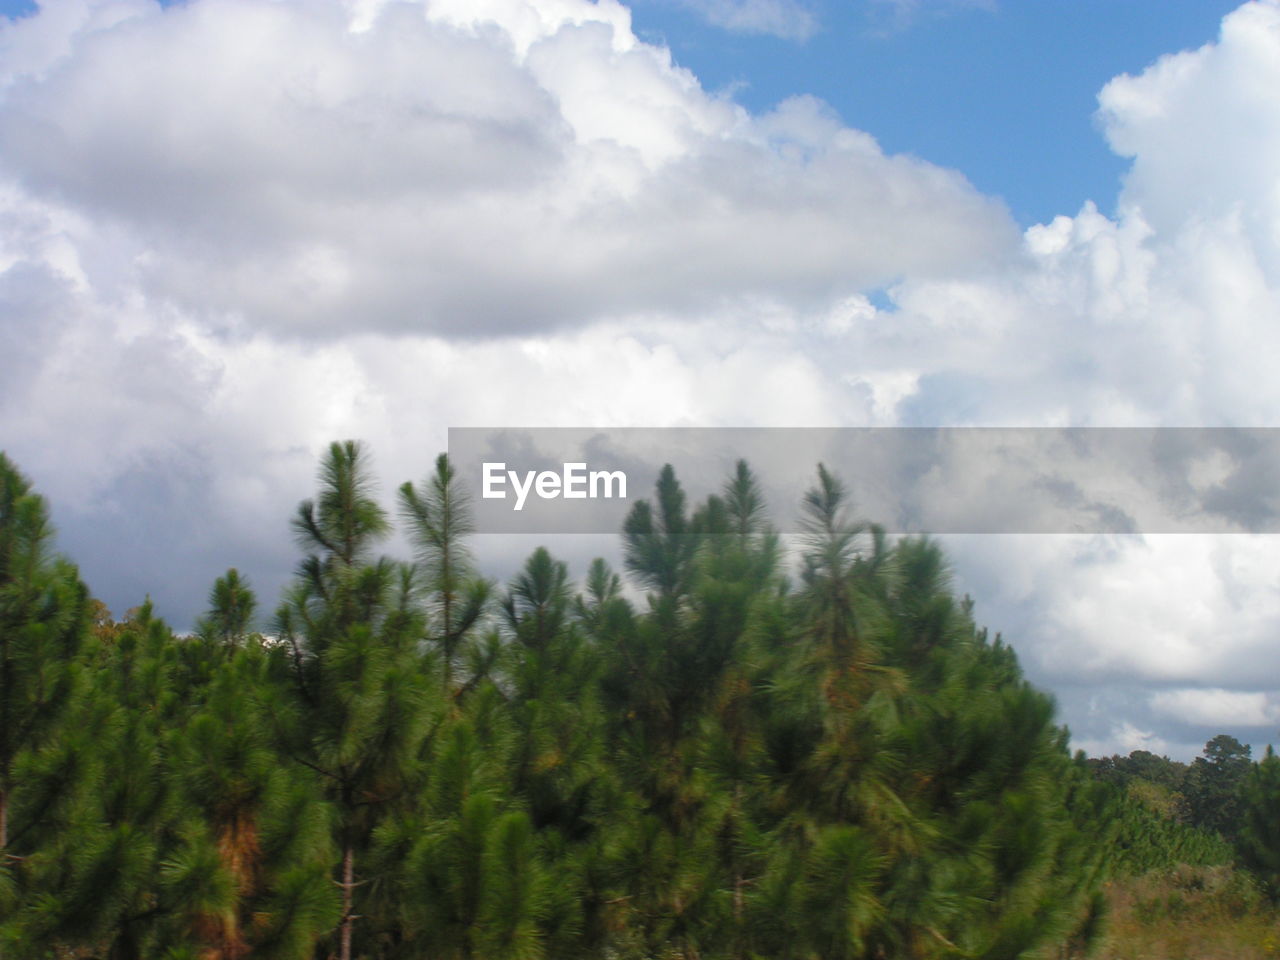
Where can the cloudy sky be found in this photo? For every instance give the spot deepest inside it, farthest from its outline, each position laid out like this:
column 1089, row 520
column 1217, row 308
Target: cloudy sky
column 234, row 230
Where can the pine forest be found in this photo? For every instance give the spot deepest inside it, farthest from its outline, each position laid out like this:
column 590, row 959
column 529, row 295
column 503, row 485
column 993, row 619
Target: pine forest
column 731, row 749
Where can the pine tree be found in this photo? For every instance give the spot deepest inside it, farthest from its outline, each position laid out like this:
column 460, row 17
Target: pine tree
column 101, row 872
column 44, row 611
column 1259, row 835
column 737, row 600
column 232, row 604
column 558, row 764
column 680, row 685
column 1213, row 784
column 44, row 620
column 439, row 521
column 263, row 824
column 352, row 631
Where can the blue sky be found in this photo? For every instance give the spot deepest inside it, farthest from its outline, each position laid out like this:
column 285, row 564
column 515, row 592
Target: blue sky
column 1003, row 92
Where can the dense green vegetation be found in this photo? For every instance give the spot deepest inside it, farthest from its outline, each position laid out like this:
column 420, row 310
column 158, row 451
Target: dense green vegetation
column 1189, row 876
column 1170, row 814
column 413, row 762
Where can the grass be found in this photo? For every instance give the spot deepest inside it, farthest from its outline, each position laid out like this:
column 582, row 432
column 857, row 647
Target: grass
column 1190, row 913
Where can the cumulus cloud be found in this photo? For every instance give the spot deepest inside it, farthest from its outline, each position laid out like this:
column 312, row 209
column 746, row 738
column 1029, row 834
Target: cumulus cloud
column 439, row 172
column 1164, row 314
column 233, row 230
column 244, row 228
column 1220, row 94
column 1169, row 611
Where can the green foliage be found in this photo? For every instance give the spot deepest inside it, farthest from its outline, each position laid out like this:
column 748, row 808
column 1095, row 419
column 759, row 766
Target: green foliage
column 416, row 763
column 1259, row 836
column 44, row 612
column 356, row 711
column 1170, row 814
column 1214, row 782
column 232, row 605
column 1151, row 837
column 439, row 522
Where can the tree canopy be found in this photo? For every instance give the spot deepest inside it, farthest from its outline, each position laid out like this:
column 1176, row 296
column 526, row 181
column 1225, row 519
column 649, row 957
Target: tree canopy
column 408, row 761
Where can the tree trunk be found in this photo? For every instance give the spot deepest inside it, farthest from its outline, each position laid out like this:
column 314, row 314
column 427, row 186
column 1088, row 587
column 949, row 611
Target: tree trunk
column 4, row 829
column 348, row 892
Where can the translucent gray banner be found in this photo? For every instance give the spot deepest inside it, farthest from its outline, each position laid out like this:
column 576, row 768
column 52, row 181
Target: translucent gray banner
column 908, row 480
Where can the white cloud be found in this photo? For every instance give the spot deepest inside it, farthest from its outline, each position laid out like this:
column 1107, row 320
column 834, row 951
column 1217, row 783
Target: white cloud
column 1217, row 708
column 1124, row 738
column 1221, row 98
column 435, row 175
column 1170, row 610
column 233, row 230
column 1163, row 315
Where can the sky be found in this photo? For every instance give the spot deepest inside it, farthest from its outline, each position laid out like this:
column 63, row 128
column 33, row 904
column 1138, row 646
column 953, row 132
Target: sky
column 946, row 80
column 232, row 231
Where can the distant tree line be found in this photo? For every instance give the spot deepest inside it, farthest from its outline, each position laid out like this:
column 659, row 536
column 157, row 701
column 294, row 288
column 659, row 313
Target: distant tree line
column 412, row 761
column 1221, row 806
column 1206, row 793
